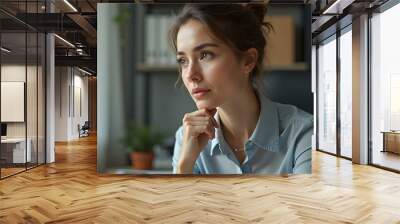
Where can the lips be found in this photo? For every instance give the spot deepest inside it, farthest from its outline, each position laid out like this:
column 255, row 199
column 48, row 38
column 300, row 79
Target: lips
column 199, row 92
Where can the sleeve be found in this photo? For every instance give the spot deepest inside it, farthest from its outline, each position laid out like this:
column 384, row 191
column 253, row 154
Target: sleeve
column 302, row 155
column 177, row 152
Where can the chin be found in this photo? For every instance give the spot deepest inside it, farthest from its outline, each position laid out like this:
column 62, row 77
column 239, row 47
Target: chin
column 205, row 104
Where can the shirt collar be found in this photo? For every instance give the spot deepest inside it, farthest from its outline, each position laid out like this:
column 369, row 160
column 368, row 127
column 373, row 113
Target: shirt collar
column 265, row 135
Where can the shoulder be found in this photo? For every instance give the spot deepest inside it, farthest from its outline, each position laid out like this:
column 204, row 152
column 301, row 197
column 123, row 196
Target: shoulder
column 296, row 130
column 292, row 117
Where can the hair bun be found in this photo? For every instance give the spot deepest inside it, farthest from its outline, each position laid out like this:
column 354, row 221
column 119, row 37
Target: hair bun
column 259, row 9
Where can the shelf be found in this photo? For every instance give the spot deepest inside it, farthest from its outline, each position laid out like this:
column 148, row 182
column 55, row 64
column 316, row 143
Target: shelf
column 171, row 68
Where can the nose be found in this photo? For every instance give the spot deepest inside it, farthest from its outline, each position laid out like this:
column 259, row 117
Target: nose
column 193, row 72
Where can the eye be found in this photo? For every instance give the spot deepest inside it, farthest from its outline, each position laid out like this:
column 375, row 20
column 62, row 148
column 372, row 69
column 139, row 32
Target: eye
column 181, row 61
column 206, row 55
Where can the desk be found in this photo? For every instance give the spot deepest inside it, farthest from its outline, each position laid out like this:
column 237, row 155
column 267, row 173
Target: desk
column 391, row 141
column 13, row 150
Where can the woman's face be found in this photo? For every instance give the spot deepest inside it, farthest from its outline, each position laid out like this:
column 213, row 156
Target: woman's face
column 210, row 70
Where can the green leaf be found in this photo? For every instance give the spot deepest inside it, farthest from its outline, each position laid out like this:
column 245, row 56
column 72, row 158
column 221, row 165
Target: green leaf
column 142, row 138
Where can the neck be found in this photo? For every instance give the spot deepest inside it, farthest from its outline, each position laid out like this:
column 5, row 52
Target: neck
column 239, row 117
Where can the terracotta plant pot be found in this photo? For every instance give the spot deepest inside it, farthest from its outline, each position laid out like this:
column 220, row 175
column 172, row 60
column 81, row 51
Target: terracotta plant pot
column 142, row 160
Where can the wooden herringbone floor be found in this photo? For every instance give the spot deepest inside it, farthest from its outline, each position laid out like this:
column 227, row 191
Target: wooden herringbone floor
column 70, row 191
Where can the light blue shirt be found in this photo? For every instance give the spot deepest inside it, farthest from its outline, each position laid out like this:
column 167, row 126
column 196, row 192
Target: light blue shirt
column 280, row 144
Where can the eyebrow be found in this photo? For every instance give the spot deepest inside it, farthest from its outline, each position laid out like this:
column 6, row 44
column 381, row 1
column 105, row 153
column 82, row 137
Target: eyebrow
column 199, row 47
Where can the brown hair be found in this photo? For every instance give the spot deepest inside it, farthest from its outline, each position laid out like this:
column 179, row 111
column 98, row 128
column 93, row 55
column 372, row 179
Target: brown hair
column 240, row 26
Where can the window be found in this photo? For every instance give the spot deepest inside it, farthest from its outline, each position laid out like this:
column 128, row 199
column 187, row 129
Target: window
column 346, row 93
column 385, row 89
column 327, row 95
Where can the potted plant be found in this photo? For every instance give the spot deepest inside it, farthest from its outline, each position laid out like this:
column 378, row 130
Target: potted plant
column 140, row 140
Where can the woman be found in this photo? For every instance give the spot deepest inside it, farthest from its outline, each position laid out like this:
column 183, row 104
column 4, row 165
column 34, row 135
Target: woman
column 236, row 129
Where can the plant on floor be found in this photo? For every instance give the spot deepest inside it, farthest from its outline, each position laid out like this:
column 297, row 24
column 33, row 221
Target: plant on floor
column 140, row 140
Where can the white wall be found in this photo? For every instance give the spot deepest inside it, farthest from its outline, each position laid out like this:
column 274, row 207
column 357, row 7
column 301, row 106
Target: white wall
column 71, row 87
column 79, row 117
column 61, row 103
column 16, row 73
column 11, row 73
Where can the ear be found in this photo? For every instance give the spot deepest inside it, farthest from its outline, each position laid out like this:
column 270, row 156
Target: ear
column 250, row 60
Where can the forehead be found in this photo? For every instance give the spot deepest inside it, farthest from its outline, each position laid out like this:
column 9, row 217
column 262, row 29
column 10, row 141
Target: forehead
column 192, row 33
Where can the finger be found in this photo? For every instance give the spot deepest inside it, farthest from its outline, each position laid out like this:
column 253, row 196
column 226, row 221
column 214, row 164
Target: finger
column 208, row 127
column 199, row 122
column 192, row 116
column 201, row 129
column 211, row 113
column 197, row 118
column 201, row 112
column 211, row 130
column 209, row 133
column 204, row 112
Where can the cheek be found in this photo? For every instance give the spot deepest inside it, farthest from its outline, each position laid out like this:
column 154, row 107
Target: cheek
column 184, row 80
column 224, row 74
column 217, row 71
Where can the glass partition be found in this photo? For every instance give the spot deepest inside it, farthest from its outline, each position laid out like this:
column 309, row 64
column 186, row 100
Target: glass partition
column 14, row 153
column 22, row 90
column 41, row 107
column 346, row 93
column 31, row 100
column 385, row 89
column 327, row 95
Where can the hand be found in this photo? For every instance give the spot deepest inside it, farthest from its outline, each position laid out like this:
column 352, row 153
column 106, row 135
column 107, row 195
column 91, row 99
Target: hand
column 198, row 128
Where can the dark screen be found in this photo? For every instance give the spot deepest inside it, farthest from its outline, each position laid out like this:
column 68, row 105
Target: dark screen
column 3, row 129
